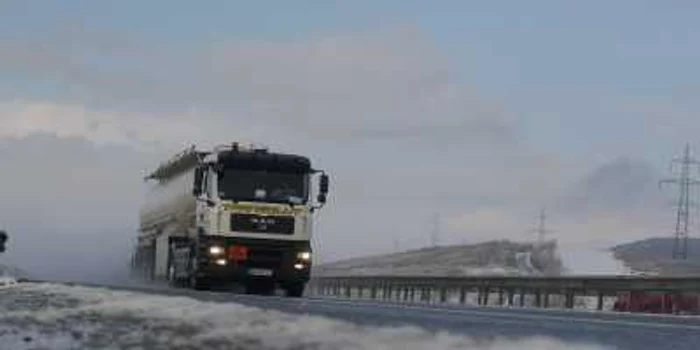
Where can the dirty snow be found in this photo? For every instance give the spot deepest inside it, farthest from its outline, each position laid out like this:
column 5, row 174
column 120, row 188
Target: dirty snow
column 51, row 316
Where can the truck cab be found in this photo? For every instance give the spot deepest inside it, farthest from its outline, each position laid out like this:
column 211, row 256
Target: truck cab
column 246, row 217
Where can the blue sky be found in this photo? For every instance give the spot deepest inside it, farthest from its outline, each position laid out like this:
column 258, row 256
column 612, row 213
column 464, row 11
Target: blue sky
column 537, row 58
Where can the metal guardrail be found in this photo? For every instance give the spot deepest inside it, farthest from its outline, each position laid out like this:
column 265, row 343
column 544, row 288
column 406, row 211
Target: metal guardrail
column 539, row 291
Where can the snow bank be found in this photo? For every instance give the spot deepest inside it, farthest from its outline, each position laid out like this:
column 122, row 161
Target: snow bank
column 588, row 261
column 49, row 316
column 7, row 281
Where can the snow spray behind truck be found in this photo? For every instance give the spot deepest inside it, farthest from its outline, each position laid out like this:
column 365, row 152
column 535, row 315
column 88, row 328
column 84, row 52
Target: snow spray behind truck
column 232, row 214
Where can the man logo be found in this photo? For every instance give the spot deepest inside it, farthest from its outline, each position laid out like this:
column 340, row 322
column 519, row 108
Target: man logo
column 263, row 223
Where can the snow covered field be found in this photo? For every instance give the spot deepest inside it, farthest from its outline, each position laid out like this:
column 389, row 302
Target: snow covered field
column 51, row 316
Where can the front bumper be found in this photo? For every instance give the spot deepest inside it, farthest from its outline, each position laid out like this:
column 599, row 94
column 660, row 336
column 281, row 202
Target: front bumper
column 266, row 259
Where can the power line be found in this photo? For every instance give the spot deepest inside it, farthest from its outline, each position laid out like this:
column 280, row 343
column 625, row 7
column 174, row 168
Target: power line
column 685, row 182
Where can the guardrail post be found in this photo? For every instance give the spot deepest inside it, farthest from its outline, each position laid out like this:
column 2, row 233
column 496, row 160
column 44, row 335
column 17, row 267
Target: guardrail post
column 600, row 301
column 522, row 298
column 538, row 298
column 443, row 295
column 546, row 299
column 486, row 295
column 462, row 295
column 373, row 292
column 348, row 291
column 569, row 299
column 500, row 297
column 511, row 297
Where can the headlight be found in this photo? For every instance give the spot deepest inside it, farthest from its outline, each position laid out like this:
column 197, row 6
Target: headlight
column 216, row 250
column 304, row 256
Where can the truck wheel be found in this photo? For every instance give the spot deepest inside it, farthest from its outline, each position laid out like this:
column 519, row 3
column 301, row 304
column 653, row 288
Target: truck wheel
column 172, row 280
column 295, row 290
column 199, row 283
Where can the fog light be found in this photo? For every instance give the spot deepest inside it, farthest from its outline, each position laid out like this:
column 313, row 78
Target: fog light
column 216, row 250
column 299, row 266
column 306, row 256
column 220, row 262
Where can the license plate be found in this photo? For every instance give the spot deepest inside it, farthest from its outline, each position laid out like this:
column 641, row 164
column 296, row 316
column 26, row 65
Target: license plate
column 260, row 272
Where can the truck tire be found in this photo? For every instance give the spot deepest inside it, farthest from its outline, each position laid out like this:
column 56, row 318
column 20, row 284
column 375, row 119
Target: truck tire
column 199, row 283
column 295, row 290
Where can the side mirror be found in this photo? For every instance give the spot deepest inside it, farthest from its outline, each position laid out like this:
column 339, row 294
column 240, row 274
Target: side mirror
column 198, row 177
column 3, row 240
column 323, row 189
column 324, row 184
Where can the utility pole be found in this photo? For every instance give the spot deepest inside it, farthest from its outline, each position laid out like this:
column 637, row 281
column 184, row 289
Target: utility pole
column 541, row 229
column 685, row 182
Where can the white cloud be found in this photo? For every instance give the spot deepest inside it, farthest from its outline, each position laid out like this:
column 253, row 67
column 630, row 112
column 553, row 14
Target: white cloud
column 379, row 110
column 387, row 84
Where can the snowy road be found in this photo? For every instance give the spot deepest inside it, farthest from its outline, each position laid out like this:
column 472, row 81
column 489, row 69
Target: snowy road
column 54, row 316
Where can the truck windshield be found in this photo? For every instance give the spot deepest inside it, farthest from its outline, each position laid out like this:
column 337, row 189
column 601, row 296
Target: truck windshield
column 263, row 186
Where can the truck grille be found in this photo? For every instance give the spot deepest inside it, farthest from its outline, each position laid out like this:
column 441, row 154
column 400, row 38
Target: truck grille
column 274, row 224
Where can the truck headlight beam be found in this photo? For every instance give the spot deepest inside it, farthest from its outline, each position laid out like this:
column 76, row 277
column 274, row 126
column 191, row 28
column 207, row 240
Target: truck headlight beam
column 216, row 250
column 306, row 256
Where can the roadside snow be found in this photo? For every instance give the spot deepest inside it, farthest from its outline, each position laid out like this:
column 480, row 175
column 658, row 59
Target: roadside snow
column 51, row 316
column 6, row 281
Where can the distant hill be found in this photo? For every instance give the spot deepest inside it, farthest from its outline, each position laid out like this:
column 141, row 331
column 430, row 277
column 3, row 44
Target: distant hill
column 494, row 258
column 654, row 256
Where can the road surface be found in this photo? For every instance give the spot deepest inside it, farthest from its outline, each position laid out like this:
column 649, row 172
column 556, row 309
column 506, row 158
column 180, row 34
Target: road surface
column 622, row 331
column 604, row 330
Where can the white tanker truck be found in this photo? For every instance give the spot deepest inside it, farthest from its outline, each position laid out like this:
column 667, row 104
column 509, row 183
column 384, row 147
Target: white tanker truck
column 232, row 214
